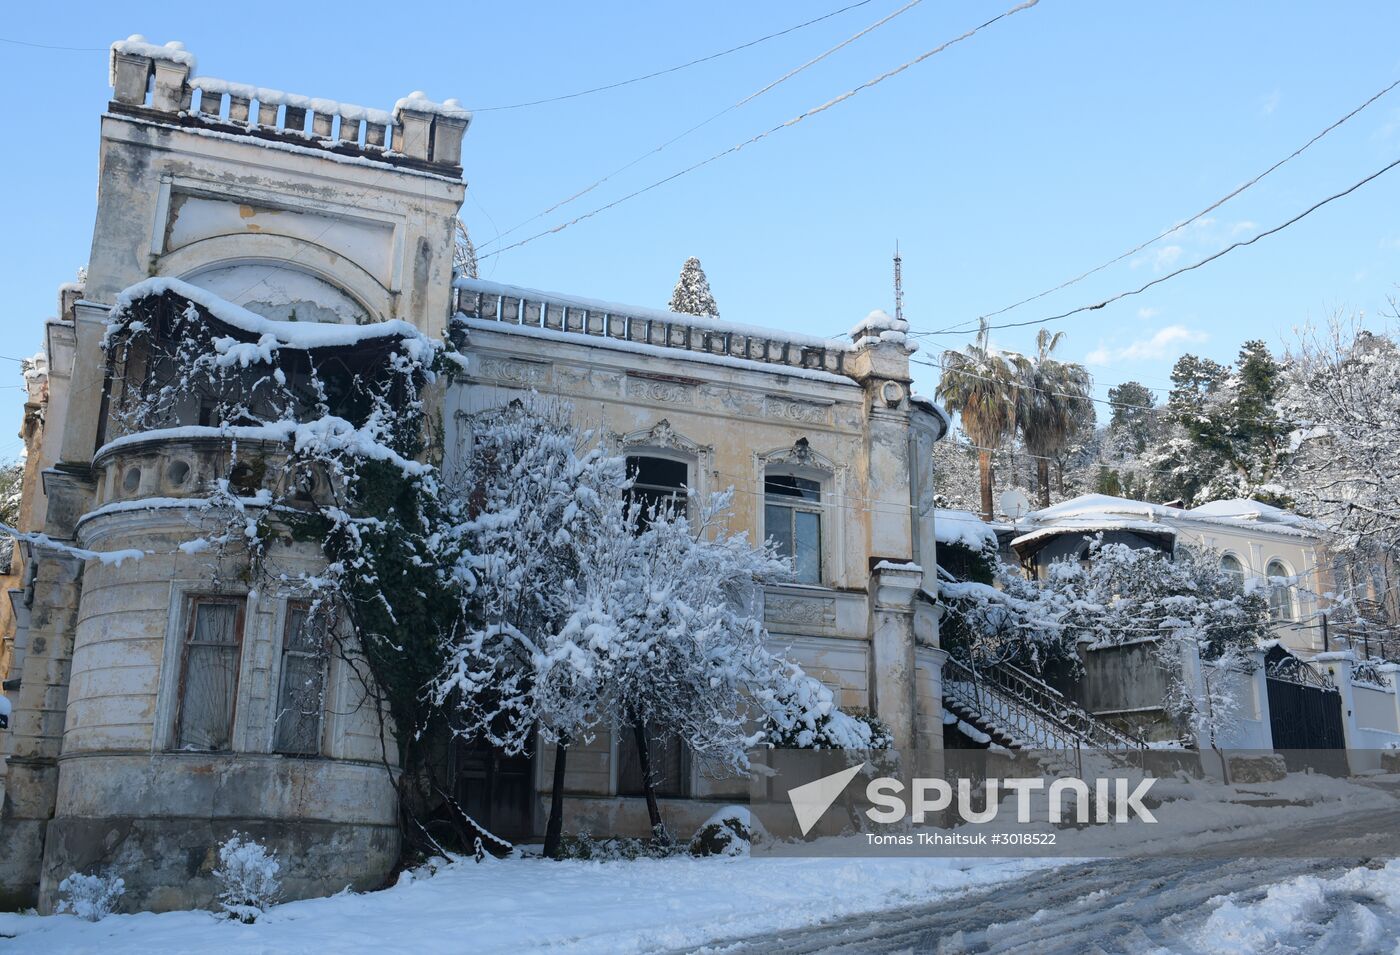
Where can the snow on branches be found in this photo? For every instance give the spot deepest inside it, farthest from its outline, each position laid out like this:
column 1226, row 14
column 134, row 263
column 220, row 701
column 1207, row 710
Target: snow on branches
column 691, row 295
column 1185, row 604
column 1342, row 394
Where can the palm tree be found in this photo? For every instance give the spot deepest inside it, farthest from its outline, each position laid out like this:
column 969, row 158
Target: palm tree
column 982, row 385
column 1054, row 398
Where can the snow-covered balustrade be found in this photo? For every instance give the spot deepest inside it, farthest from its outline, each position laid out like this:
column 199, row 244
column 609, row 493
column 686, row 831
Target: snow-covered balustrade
column 182, row 467
column 417, row 130
column 512, row 305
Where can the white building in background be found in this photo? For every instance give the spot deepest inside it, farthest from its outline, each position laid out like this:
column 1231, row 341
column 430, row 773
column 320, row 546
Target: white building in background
column 1263, row 546
column 149, row 696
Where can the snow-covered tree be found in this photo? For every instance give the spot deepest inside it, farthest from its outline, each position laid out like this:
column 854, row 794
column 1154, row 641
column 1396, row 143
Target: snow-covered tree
column 538, row 506
column 1187, row 603
column 692, row 292
column 1342, row 393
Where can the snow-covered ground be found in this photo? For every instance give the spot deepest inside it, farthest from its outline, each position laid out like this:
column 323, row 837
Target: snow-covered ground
column 529, row 904
column 1188, row 878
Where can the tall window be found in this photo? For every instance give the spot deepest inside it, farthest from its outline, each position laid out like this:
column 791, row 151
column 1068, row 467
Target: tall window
column 209, row 674
column 792, row 517
column 1232, row 566
column 658, row 484
column 1280, row 594
column 301, row 696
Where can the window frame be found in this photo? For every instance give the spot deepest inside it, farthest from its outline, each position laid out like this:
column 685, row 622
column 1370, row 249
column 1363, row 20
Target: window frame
column 684, row 492
column 289, row 608
column 1243, row 571
column 1289, row 592
column 797, row 504
column 192, row 604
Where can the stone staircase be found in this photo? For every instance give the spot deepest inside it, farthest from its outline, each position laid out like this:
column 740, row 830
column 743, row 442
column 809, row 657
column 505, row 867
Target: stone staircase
column 1019, row 712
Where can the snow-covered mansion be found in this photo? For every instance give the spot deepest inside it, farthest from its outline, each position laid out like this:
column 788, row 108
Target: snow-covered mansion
column 151, row 697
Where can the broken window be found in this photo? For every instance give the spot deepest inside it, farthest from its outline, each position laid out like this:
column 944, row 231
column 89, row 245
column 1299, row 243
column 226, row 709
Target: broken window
column 209, row 674
column 301, row 695
column 658, row 484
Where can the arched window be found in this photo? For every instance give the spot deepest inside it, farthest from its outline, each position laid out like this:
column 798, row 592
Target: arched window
column 1281, row 594
column 1232, row 566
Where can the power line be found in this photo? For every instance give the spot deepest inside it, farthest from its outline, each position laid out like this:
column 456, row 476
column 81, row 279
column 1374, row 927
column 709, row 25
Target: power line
column 792, row 122
column 1204, row 212
column 45, row 46
column 671, row 69
column 728, row 109
column 964, row 329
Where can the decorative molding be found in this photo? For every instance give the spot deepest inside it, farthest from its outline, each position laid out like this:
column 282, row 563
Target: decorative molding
column 513, row 370
column 734, row 400
column 656, row 389
column 799, row 455
column 791, row 409
column 801, row 611
column 663, row 435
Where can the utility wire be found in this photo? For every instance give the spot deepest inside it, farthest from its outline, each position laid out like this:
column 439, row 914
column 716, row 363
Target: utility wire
column 45, row 46
column 792, row 122
column 965, row 328
column 671, row 69
column 728, row 109
column 1185, row 222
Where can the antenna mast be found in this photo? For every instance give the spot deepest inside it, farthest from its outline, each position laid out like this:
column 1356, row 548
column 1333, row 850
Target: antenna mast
column 898, row 285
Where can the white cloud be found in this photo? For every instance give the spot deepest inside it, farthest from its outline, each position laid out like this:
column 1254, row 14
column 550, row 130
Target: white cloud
column 1157, row 346
column 1148, row 313
column 1269, row 104
column 1243, row 226
column 1163, row 258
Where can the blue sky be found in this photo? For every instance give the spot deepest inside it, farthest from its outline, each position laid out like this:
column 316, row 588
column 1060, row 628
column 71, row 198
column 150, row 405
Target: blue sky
column 1045, row 145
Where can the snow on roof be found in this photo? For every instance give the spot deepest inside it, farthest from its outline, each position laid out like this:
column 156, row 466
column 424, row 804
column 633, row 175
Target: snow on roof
column 951, row 526
column 660, row 351
column 928, row 404
column 656, row 314
column 1240, row 512
column 1094, row 526
column 301, row 335
column 419, row 101
column 1102, row 504
column 137, row 45
column 878, row 327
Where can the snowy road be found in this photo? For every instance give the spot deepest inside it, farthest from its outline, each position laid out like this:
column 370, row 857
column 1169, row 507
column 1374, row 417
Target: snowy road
column 1337, row 906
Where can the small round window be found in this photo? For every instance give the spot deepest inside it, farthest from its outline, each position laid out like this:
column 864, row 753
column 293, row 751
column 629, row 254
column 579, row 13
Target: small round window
column 131, row 480
column 177, row 473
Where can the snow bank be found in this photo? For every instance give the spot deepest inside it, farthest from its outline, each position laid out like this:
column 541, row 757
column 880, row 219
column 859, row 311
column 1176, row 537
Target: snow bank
column 517, row 905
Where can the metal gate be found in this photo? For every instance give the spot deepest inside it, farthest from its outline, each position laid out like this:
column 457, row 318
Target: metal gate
column 1305, row 716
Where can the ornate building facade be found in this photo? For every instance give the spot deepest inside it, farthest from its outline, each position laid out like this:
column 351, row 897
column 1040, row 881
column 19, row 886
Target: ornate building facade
column 148, row 694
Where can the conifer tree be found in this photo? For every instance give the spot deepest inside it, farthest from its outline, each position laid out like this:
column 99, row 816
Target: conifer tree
column 692, row 293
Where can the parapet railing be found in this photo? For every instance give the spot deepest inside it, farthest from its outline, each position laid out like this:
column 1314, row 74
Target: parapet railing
column 418, row 132
column 509, row 305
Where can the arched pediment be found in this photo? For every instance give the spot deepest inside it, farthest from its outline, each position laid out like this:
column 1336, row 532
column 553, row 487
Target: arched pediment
column 275, row 275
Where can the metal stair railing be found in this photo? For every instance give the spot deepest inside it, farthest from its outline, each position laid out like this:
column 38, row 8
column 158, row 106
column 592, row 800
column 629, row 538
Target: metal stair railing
column 1035, row 714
